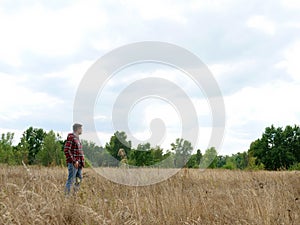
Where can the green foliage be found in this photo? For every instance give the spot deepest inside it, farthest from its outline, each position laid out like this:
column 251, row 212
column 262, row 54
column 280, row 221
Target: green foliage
column 296, row 166
column 6, row 149
column 107, row 159
column 34, row 138
column 209, row 159
column 144, row 155
column 168, row 160
column 157, row 155
column 229, row 165
column 221, row 161
column 241, row 160
column 235, row 161
column 182, row 149
column 51, row 152
column 21, row 152
column 277, row 148
column 141, row 156
column 97, row 156
column 93, row 153
column 192, row 163
column 194, row 160
column 117, row 141
column 87, row 163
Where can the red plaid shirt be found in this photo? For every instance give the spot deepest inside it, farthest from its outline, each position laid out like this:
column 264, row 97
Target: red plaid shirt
column 73, row 150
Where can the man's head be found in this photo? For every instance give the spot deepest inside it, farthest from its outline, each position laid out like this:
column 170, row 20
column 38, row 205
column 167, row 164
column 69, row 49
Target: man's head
column 77, row 128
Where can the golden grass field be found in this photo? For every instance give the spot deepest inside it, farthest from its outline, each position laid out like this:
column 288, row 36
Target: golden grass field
column 190, row 197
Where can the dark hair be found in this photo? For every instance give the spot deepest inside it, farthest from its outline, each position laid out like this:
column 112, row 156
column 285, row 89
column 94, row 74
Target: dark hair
column 76, row 126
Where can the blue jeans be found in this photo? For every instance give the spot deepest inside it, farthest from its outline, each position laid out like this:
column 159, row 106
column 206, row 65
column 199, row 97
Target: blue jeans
column 73, row 175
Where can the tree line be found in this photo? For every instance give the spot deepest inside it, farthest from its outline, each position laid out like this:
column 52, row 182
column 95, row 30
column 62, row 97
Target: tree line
column 277, row 149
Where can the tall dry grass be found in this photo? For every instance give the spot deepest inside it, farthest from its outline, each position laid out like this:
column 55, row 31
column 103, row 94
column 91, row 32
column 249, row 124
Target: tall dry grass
column 191, row 197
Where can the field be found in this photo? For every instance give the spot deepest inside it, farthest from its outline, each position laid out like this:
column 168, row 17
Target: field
column 36, row 196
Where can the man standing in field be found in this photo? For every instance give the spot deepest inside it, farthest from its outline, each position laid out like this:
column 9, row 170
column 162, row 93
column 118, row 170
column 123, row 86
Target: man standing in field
column 75, row 158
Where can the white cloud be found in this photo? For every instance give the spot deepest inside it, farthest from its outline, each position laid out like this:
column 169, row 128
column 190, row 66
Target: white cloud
column 262, row 24
column 81, row 29
column 291, row 4
column 233, row 143
column 18, row 101
column 291, row 61
column 100, row 117
column 155, row 10
column 270, row 103
column 72, row 74
column 250, row 110
column 212, row 5
column 229, row 69
column 104, row 44
column 41, row 31
column 293, row 24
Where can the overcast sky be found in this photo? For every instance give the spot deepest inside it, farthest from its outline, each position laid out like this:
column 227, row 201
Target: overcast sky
column 251, row 47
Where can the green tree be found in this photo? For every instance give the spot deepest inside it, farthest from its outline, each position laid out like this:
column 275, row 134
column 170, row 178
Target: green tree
column 241, row 160
column 106, row 159
column 142, row 156
column 209, row 159
column 296, row 166
column 34, row 138
column 194, row 160
column 117, row 141
column 157, row 155
column 221, row 161
column 236, row 161
column 168, row 160
column 51, row 152
column 95, row 154
column 230, row 163
column 6, row 149
column 21, row 152
column 182, row 149
column 252, row 165
column 291, row 136
column 277, row 148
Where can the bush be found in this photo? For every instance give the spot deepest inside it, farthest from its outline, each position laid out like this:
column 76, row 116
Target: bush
column 295, row 166
column 229, row 165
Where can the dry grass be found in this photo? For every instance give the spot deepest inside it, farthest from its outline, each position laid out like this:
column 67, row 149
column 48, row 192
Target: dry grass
column 191, row 197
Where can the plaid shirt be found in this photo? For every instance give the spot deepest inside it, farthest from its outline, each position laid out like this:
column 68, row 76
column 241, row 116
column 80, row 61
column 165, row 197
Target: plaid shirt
column 73, row 150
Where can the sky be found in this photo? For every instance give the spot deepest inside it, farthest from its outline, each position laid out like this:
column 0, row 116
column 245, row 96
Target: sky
column 252, row 48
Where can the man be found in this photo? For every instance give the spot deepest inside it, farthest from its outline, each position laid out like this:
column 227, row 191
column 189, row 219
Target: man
column 75, row 158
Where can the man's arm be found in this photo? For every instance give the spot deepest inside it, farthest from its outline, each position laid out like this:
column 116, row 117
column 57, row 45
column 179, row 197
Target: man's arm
column 68, row 148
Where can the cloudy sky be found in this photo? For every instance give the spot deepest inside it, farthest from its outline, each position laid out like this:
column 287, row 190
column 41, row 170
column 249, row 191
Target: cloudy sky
column 251, row 47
